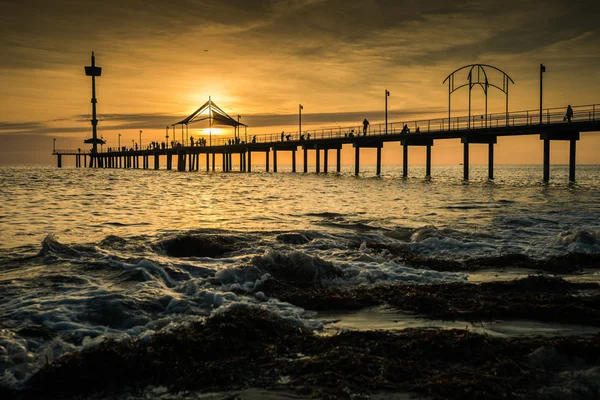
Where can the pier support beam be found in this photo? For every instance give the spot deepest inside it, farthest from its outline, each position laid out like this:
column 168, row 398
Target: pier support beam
column 491, row 161
column 293, row 160
column 213, row 161
column 59, row 160
column 466, row 161
column 404, row 160
column 267, row 160
column 572, row 137
column 242, row 162
column 325, row 159
column 339, row 160
column 378, row 161
column 318, row 160
column 490, row 141
column 356, row 159
column 274, row 160
column 427, row 161
column 305, row 160
column 207, row 162
column 546, row 160
column 249, row 161
column 169, row 161
column 572, row 150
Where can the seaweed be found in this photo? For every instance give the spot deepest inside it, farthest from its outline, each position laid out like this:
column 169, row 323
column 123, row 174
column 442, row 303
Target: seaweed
column 535, row 297
column 250, row 347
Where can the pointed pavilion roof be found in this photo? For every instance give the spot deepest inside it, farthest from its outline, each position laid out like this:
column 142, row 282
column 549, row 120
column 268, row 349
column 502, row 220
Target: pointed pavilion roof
column 215, row 115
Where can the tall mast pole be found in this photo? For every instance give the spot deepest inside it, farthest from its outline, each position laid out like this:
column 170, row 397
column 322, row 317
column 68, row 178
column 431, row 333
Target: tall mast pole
column 94, row 71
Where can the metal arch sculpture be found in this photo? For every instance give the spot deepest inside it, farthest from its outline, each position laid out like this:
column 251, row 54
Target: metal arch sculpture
column 485, row 85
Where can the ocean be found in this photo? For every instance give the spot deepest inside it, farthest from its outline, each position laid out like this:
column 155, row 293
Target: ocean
column 92, row 260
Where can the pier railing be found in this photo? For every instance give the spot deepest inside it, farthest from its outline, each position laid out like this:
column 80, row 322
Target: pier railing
column 584, row 113
column 475, row 121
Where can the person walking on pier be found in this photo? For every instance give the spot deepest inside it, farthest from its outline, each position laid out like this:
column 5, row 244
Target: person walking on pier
column 282, row 135
column 569, row 114
column 365, row 126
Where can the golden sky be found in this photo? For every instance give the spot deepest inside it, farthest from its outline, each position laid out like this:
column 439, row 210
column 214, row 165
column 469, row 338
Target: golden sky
column 260, row 59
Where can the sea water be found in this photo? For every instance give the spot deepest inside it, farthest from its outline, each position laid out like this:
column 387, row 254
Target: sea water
column 86, row 252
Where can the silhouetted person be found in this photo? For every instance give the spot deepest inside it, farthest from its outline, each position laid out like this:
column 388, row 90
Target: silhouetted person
column 254, row 139
column 287, row 137
column 365, row 126
column 282, row 135
column 79, row 150
column 405, row 129
column 351, row 134
column 418, row 130
column 192, row 141
column 308, row 136
column 136, row 147
column 569, row 114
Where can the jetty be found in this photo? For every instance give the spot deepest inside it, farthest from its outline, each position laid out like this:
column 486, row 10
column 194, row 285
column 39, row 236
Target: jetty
column 550, row 124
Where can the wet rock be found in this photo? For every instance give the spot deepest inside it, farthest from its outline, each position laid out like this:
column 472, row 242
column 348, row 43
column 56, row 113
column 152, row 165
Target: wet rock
column 293, row 238
column 198, row 246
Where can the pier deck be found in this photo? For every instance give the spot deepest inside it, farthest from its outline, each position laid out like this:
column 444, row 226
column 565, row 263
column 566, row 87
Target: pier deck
column 470, row 130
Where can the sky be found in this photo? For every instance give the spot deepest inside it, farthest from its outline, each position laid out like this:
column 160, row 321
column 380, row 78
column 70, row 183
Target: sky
column 260, row 59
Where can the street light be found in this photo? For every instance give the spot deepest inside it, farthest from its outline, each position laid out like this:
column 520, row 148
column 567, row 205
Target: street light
column 140, row 139
column 542, row 70
column 132, row 144
column 300, row 108
column 54, row 145
column 119, row 142
column 387, row 94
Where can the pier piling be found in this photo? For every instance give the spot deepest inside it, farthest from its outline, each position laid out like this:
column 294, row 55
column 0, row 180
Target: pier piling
column 356, row 159
column 318, row 160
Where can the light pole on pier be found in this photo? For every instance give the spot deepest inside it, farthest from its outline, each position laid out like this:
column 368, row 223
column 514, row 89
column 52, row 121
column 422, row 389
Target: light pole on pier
column 542, row 70
column 387, row 94
column 140, row 139
column 54, row 145
column 300, row 108
column 132, row 144
column 119, row 142
column 167, row 137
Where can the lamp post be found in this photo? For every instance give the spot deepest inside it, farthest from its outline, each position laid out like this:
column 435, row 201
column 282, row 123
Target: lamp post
column 542, row 70
column 119, row 142
column 54, row 145
column 132, row 144
column 387, row 94
column 140, row 139
column 300, row 108
column 167, row 137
